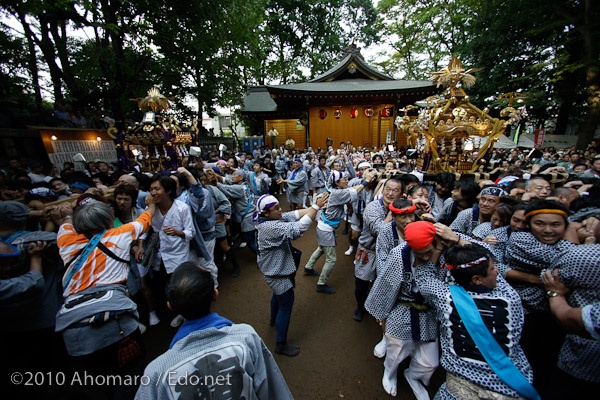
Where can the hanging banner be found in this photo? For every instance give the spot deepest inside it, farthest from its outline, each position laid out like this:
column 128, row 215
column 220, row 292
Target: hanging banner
column 539, row 136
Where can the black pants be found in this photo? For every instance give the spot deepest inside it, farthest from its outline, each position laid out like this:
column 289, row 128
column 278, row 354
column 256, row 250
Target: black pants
column 274, row 188
column 124, row 358
column 564, row 386
column 158, row 285
column 541, row 341
column 361, row 292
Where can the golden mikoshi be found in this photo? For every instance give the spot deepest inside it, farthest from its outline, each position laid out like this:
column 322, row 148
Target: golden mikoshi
column 449, row 127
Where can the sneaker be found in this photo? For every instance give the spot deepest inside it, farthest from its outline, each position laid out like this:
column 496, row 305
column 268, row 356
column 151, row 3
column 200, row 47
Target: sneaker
column 142, row 327
column 417, row 387
column 243, row 244
column 358, row 315
column 349, row 251
column 287, row 349
column 325, row 289
column 380, row 348
column 154, row 320
column 311, row 272
column 178, row 320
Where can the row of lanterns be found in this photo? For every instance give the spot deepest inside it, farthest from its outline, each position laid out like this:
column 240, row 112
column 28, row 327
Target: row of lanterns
column 369, row 112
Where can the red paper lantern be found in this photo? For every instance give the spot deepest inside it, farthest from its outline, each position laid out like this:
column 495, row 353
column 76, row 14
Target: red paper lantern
column 387, row 111
column 353, row 112
column 337, row 113
column 322, row 114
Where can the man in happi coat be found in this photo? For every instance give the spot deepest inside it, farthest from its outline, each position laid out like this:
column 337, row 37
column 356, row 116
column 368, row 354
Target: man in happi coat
column 296, row 183
column 276, row 259
column 376, row 216
column 328, row 222
column 410, row 325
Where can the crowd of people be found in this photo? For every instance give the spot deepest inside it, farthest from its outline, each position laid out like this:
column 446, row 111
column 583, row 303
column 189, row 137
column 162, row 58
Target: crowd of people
column 18, row 114
column 498, row 270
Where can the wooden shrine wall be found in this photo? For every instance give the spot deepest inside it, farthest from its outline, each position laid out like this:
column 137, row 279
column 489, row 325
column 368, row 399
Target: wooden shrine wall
column 360, row 130
column 380, row 127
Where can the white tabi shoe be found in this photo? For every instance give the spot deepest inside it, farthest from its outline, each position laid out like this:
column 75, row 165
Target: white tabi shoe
column 389, row 385
column 417, row 387
column 380, row 348
column 349, row 251
column 154, row 320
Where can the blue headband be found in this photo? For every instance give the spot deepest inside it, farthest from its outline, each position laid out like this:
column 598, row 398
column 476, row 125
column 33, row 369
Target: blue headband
column 493, row 191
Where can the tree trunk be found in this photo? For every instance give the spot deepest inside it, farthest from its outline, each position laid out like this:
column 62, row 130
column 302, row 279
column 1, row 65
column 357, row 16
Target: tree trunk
column 110, row 11
column 47, row 48
column 562, row 121
column 60, row 44
column 32, row 61
column 200, row 109
column 198, row 80
column 592, row 51
column 590, row 124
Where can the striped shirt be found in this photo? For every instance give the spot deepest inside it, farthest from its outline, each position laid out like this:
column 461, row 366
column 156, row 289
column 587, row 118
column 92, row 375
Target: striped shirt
column 98, row 268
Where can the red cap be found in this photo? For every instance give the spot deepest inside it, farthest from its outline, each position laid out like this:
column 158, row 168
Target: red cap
column 419, row 234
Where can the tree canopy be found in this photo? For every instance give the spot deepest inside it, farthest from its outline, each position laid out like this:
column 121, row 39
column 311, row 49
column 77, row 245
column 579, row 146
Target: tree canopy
column 547, row 48
column 101, row 53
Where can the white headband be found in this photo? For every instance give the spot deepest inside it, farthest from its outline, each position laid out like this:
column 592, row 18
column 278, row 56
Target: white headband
column 335, row 176
column 265, row 202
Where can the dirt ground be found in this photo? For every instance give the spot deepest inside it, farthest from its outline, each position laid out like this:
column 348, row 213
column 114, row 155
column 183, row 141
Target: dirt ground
column 336, row 358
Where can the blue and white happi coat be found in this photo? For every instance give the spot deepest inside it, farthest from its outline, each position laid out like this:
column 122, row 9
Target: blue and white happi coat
column 388, row 298
column 502, row 314
column 580, row 271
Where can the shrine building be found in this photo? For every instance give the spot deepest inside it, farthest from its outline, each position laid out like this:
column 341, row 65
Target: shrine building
column 350, row 102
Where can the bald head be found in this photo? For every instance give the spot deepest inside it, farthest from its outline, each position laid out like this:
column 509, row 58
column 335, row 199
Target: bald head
column 565, row 195
column 539, row 187
column 128, row 180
